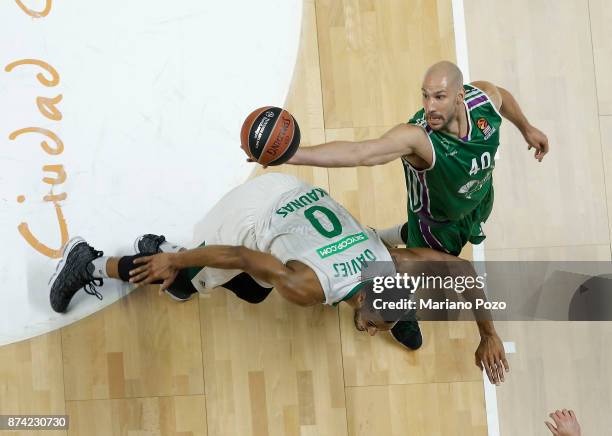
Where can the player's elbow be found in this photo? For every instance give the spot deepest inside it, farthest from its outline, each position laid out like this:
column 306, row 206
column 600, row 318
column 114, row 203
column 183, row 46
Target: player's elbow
column 296, row 294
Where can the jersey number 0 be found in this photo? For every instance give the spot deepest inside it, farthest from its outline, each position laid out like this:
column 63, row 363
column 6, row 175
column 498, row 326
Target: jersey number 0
column 331, row 216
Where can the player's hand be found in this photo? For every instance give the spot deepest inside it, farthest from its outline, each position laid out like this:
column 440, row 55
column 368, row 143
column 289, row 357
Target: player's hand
column 154, row 268
column 566, row 423
column 536, row 139
column 491, row 357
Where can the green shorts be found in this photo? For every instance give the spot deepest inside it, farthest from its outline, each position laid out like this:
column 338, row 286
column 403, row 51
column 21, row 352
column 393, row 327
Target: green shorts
column 450, row 237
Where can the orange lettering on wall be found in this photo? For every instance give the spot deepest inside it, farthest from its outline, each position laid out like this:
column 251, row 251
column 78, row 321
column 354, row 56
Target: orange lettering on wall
column 57, row 169
column 25, row 232
column 55, row 78
column 33, row 13
column 44, row 144
column 55, row 197
column 46, row 106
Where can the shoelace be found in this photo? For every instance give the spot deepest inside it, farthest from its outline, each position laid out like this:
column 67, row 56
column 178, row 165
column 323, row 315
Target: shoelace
column 90, row 286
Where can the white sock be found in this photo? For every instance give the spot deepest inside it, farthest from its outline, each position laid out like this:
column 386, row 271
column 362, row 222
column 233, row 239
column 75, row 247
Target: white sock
column 169, row 247
column 392, row 236
column 99, row 265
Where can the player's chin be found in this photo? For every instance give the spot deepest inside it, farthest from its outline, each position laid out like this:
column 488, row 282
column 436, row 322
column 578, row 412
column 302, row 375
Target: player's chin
column 436, row 124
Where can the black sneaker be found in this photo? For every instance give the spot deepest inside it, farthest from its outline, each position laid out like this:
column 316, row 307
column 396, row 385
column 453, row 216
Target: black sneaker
column 180, row 294
column 74, row 272
column 408, row 334
column 148, row 244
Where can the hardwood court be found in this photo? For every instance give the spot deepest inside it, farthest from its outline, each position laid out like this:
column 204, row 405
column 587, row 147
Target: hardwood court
column 217, row 366
column 561, row 79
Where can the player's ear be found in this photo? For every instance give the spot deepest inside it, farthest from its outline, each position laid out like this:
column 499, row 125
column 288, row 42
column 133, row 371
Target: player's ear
column 361, row 296
column 461, row 95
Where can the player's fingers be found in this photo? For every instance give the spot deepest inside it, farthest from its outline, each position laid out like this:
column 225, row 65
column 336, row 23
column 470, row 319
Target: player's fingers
column 551, row 427
column 143, row 259
column 166, row 284
column 554, row 418
column 489, row 371
column 478, row 363
column 500, row 371
column 506, row 364
column 150, row 279
column 139, row 277
column 138, row 270
column 494, row 368
column 571, row 413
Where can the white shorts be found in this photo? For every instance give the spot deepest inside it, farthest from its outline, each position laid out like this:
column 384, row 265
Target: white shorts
column 236, row 219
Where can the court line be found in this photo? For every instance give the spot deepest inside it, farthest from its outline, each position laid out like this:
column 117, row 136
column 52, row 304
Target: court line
column 490, row 394
column 478, row 254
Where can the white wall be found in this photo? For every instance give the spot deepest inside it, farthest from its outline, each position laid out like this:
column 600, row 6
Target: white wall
column 154, row 94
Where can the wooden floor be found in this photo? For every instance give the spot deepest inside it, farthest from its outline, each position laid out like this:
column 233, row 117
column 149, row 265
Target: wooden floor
column 559, row 209
column 217, row 366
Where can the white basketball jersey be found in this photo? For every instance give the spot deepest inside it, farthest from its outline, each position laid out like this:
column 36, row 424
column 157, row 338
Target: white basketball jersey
column 307, row 225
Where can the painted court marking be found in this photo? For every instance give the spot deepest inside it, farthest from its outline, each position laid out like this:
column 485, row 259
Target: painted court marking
column 461, row 50
column 491, row 396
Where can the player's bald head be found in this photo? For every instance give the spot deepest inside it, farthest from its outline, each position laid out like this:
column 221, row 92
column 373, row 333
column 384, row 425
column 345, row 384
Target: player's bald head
column 443, row 74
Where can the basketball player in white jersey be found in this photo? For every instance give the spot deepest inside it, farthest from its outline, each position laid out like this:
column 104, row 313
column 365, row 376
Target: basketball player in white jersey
column 274, row 231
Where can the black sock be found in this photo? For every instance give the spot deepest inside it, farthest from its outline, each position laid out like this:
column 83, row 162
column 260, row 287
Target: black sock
column 126, row 264
column 182, row 281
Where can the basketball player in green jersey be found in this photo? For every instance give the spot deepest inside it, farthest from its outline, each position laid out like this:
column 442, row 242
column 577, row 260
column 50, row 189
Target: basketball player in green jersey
column 447, row 149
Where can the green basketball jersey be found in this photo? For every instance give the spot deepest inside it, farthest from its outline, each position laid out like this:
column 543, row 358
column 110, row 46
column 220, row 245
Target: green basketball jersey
column 461, row 174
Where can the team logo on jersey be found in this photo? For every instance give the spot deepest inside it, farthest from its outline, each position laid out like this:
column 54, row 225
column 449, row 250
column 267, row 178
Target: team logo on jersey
column 485, row 128
column 341, row 245
column 473, row 186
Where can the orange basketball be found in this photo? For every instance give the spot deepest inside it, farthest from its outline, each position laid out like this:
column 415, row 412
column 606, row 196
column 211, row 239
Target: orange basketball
column 270, row 135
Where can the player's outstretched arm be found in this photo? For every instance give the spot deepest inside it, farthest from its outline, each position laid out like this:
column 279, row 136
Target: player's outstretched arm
column 263, row 266
column 510, row 109
column 401, row 140
column 490, row 355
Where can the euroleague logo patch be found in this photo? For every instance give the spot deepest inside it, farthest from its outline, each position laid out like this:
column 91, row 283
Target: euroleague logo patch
column 485, row 128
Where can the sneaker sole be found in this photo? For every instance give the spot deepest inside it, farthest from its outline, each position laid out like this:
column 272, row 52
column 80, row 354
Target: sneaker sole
column 65, row 250
column 138, row 239
column 178, row 299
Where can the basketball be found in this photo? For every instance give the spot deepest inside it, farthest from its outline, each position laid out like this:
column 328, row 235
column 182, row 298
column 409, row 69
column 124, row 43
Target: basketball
column 270, row 135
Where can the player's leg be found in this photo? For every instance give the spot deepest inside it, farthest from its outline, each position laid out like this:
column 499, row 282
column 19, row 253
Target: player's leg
column 84, row 267
column 182, row 289
column 395, row 235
